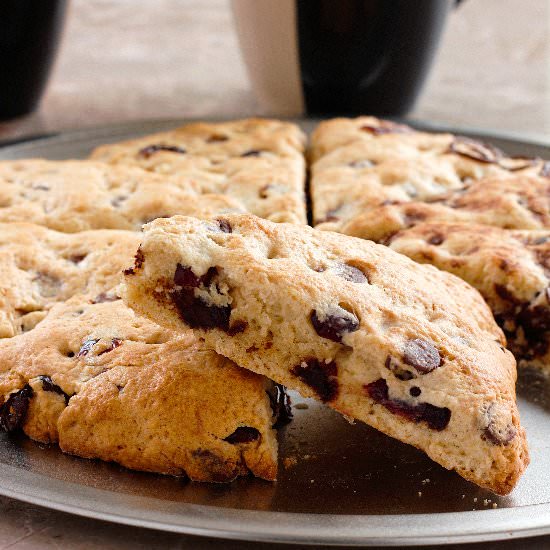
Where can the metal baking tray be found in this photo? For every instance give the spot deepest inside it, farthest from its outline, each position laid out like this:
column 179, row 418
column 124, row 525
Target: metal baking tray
column 339, row 483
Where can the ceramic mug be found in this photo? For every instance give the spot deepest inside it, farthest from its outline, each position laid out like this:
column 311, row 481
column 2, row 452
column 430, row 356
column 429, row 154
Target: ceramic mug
column 339, row 56
column 29, row 35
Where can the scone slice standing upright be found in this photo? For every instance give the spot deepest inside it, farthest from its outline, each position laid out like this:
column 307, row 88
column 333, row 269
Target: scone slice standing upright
column 79, row 195
column 40, row 267
column 365, row 162
column 257, row 162
column 509, row 268
column 410, row 350
column 106, row 384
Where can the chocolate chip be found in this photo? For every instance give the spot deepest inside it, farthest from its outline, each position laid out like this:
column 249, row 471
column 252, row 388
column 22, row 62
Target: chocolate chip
column 115, row 342
column 243, row 434
column 117, row 201
column 437, row 418
column 193, row 310
column 495, row 431
column 334, row 324
column 216, row 138
column 320, row 376
column 146, row 152
column 105, row 297
column 263, row 191
column 224, row 226
column 502, row 292
column 184, row 276
column 397, row 370
column 280, row 405
column 139, row 258
column 237, row 327
column 415, row 391
column 252, row 153
column 14, row 411
column 87, row 347
column 422, row 355
column 436, row 239
column 350, row 273
column 48, row 385
column 475, row 150
column 77, row 258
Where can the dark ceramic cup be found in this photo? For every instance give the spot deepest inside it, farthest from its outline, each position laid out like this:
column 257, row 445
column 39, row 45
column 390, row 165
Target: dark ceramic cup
column 339, row 56
column 29, row 36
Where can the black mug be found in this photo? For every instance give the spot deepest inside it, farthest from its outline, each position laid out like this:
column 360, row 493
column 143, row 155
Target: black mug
column 339, row 56
column 29, row 36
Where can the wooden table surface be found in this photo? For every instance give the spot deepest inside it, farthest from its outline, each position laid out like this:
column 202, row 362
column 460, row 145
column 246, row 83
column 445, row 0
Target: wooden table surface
column 127, row 60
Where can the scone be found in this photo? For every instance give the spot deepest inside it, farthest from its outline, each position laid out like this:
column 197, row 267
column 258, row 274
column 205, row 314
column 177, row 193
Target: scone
column 78, row 195
column 410, row 350
column 40, row 267
column 518, row 202
column 358, row 164
column 509, row 268
column 258, row 162
column 106, row 384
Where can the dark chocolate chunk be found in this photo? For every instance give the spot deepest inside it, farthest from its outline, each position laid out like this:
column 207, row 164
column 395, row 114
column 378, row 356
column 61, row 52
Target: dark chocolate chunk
column 397, row 370
column 105, row 297
column 48, row 385
column 139, row 258
column 350, row 273
column 495, row 432
column 415, row 391
column 115, row 342
column 237, row 327
column 436, row 239
column 243, row 434
column 87, row 347
column 320, row 376
column 224, row 226
column 280, row 405
column 437, row 418
column 422, row 355
column 77, row 258
column 13, row 411
column 146, row 152
column 216, row 138
column 193, row 310
column 334, row 325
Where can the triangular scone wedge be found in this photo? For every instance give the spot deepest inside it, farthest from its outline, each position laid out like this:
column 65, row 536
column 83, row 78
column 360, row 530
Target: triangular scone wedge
column 105, row 383
column 406, row 348
column 511, row 270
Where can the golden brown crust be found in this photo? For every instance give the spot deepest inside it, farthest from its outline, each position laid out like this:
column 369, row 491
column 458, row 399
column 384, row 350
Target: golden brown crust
column 257, row 162
column 107, row 384
column 410, row 350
